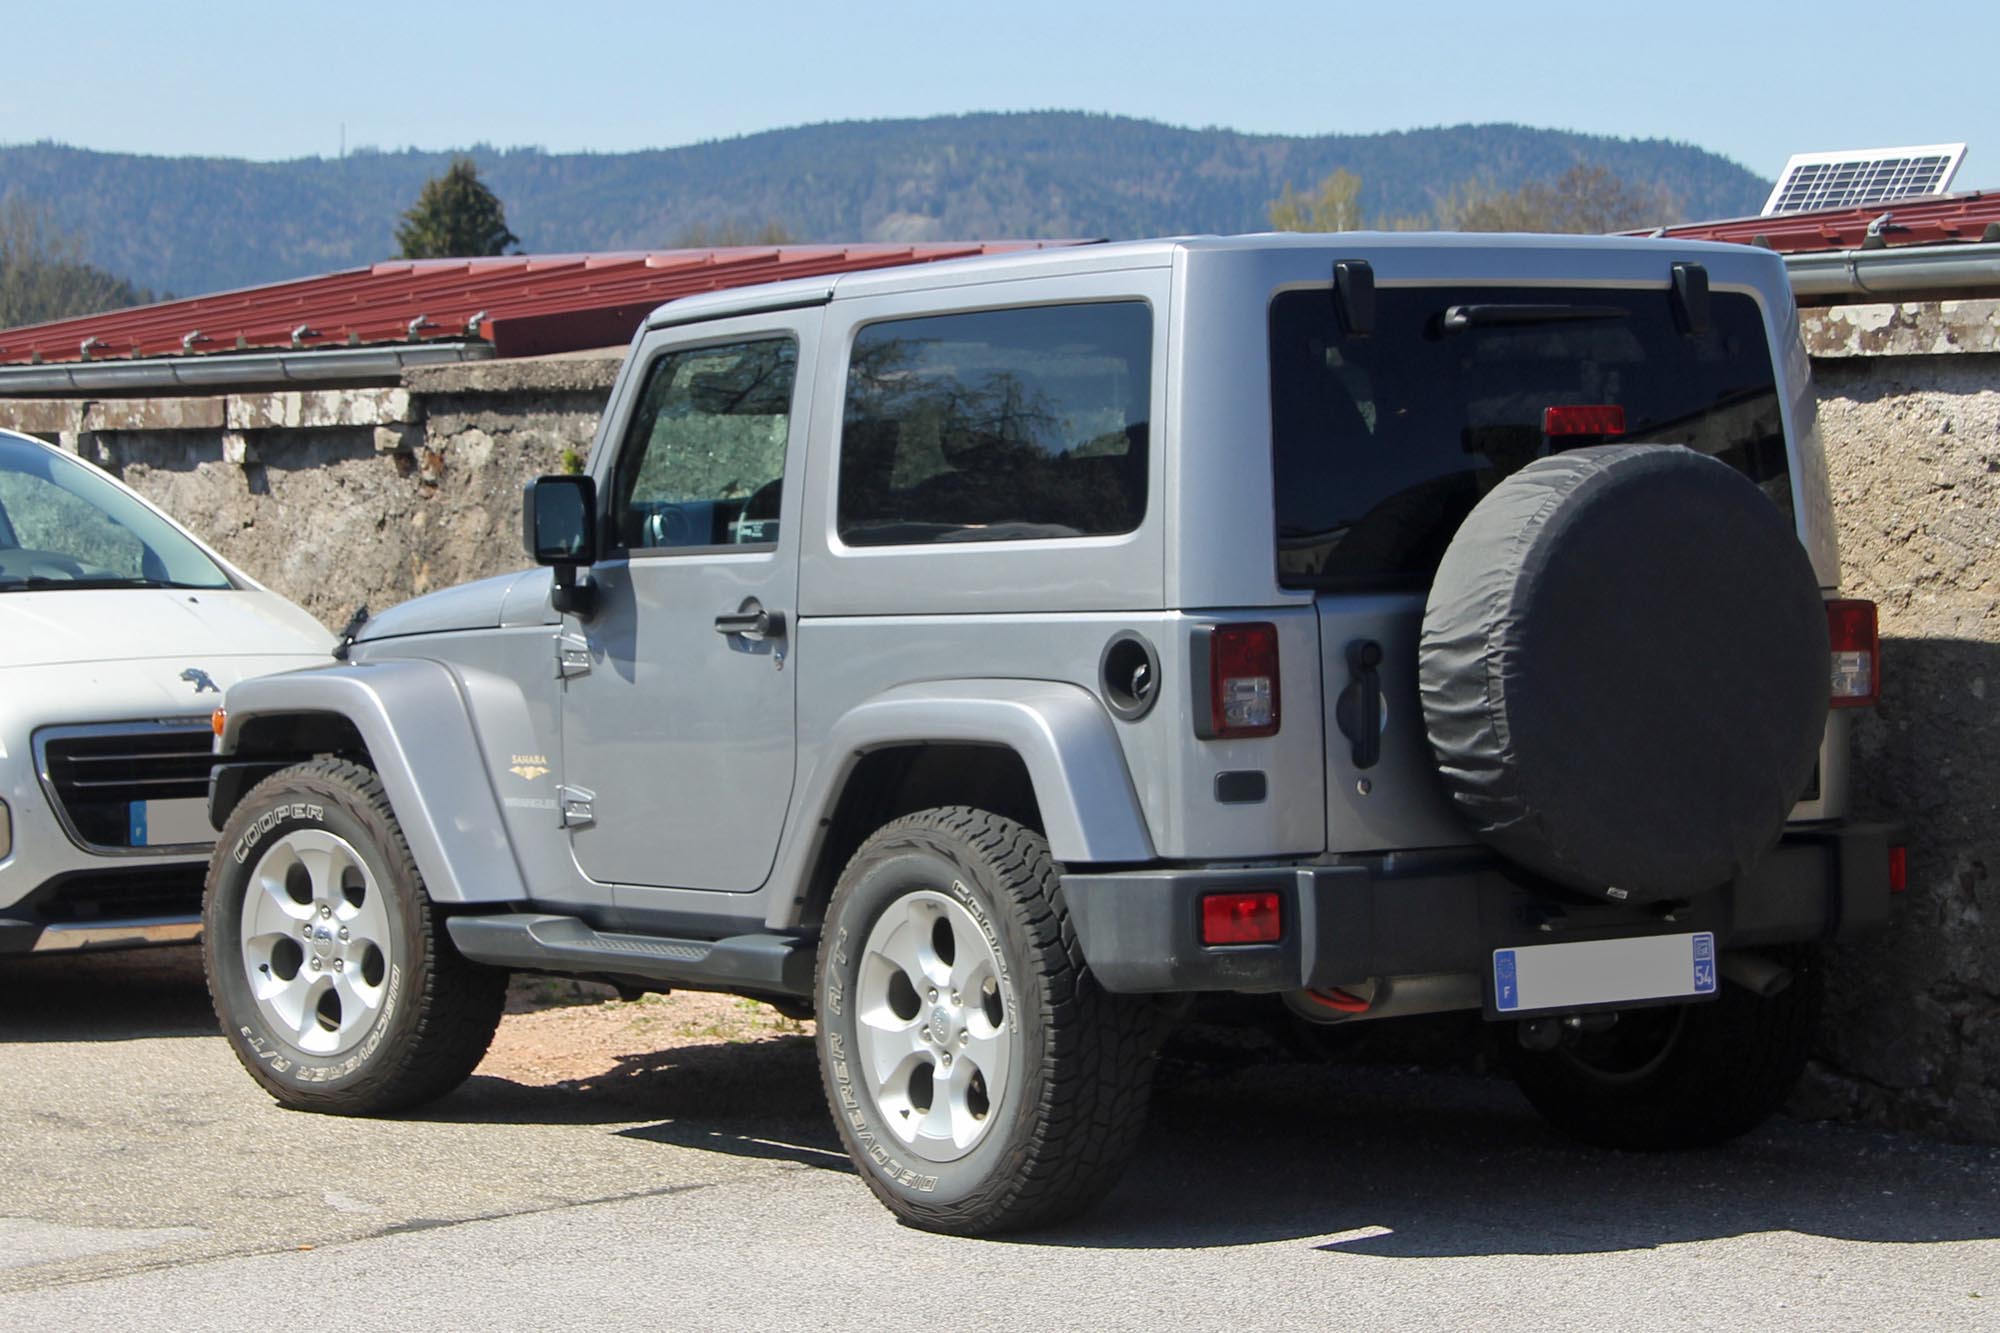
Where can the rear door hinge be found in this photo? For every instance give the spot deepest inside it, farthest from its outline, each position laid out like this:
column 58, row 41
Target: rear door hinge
column 578, row 807
column 572, row 656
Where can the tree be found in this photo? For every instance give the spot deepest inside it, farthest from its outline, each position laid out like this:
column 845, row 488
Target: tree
column 1334, row 206
column 42, row 273
column 456, row 217
column 1584, row 199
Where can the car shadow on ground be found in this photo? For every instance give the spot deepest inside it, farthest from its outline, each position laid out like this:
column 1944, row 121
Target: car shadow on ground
column 1419, row 1164
column 758, row 1099
column 116, row 995
column 1254, row 1144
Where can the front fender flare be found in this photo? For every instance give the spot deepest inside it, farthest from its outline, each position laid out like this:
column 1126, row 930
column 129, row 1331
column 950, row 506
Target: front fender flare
column 412, row 716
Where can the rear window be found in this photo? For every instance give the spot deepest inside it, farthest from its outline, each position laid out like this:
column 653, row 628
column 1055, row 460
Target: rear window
column 997, row 425
column 1382, row 444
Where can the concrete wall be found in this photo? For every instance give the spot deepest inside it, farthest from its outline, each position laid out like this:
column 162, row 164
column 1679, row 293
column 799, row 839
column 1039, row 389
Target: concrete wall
column 376, row 495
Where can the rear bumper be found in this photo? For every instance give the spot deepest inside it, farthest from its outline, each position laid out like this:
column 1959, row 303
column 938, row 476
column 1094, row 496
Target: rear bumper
column 1425, row 914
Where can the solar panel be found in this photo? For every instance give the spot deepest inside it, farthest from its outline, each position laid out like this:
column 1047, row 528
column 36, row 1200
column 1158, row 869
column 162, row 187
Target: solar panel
column 1862, row 176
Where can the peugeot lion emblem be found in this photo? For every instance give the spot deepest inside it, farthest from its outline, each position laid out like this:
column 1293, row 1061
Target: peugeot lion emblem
column 198, row 678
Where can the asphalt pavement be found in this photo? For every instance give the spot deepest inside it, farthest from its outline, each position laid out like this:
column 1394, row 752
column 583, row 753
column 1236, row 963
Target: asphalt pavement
column 146, row 1182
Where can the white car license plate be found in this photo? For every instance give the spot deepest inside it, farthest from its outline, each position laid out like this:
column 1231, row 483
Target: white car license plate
column 1594, row 972
column 170, row 823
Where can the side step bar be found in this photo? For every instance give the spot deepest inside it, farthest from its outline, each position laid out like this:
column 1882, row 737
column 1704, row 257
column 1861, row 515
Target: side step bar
column 764, row 964
column 77, row 936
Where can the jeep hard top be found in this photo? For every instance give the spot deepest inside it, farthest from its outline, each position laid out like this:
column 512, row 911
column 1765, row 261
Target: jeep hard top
column 971, row 655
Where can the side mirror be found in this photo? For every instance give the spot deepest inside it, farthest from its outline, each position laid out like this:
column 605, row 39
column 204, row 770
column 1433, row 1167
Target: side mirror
column 559, row 520
column 559, row 528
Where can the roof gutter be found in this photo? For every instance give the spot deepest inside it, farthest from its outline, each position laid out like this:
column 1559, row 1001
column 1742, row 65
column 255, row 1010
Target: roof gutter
column 1886, row 273
column 213, row 371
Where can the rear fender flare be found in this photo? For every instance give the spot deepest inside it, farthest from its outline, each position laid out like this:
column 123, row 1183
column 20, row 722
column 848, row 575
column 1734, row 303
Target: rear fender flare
column 413, row 718
column 1064, row 736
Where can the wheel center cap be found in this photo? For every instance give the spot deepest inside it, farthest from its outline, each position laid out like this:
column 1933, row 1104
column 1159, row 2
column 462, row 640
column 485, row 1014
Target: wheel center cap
column 322, row 941
column 942, row 1024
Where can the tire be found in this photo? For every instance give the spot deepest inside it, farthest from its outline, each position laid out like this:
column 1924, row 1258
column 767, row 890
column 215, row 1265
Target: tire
column 1623, row 671
column 327, row 963
column 980, row 1078
column 1688, row 1076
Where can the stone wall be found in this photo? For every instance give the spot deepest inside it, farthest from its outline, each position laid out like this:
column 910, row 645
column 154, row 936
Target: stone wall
column 375, row 495
column 1910, row 412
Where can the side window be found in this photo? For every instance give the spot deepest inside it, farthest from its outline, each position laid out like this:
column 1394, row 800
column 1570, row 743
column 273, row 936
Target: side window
column 704, row 457
column 998, row 425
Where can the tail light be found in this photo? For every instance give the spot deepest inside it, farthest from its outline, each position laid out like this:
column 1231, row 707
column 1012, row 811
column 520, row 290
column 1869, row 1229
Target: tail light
column 1857, row 653
column 1899, row 869
column 1239, row 665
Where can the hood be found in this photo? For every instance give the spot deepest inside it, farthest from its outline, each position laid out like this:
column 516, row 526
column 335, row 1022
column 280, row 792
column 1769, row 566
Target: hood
column 52, row 627
column 186, row 688
column 486, row 604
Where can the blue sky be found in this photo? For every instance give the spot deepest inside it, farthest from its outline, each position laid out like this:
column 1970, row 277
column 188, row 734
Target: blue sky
column 1754, row 82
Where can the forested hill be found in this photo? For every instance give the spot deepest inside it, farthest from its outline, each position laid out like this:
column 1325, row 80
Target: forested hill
column 193, row 225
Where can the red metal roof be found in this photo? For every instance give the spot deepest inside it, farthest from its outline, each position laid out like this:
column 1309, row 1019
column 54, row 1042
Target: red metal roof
column 525, row 305
column 1936, row 220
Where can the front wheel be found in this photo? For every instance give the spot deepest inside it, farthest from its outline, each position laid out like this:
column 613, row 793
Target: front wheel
column 1682, row 1076
column 329, row 969
column 979, row 1077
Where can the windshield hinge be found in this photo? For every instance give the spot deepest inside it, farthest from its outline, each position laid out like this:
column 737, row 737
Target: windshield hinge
column 578, row 807
column 572, row 656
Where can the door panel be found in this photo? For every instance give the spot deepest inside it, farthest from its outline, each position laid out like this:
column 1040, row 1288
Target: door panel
column 678, row 740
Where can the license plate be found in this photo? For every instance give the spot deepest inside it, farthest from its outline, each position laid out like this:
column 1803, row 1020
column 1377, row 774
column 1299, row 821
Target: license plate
column 169, row 823
column 1585, row 973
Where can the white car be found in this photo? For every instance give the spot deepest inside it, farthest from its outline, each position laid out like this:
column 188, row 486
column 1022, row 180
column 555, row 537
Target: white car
column 118, row 633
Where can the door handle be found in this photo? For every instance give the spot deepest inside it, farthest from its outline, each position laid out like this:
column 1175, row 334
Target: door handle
column 1358, row 711
column 751, row 621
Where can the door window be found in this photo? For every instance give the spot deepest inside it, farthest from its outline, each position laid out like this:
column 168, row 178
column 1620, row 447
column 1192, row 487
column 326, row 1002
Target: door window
column 704, row 458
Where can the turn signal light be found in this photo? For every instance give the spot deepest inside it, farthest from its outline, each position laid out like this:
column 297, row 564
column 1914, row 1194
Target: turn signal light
column 1857, row 652
column 6, row 832
column 218, row 720
column 1240, row 918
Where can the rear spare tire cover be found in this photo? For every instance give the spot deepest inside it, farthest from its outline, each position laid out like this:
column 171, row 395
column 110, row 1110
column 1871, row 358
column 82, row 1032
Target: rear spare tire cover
column 1624, row 670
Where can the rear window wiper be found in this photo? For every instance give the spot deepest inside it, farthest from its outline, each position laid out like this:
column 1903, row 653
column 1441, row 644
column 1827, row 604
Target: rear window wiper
column 1459, row 318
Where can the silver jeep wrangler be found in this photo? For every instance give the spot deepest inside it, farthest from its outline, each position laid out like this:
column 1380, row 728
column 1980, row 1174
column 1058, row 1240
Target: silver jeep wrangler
column 970, row 656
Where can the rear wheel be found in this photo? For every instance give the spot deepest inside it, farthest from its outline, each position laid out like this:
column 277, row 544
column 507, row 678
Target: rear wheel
column 979, row 1077
column 328, row 966
column 1683, row 1076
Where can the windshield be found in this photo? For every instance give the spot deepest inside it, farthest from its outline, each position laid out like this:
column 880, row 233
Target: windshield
column 63, row 525
column 1382, row 444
